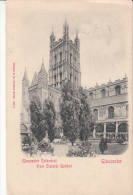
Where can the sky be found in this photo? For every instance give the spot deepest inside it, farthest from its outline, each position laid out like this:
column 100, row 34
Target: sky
column 103, row 33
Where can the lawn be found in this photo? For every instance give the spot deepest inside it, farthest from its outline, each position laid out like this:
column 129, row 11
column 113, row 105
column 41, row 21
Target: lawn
column 113, row 148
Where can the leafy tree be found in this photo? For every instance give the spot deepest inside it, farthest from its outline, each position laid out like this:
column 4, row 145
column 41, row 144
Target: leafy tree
column 42, row 119
column 85, row 117
column 38, row 124
column 68, row 112
column 26, row 140
column 50, row 117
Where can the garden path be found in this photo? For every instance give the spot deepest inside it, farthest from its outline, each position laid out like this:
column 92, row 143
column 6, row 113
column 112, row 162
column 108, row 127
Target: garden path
column 60, row 150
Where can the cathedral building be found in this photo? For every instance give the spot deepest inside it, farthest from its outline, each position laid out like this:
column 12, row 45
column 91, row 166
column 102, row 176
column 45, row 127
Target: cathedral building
column 108, row 102
column 64, row 65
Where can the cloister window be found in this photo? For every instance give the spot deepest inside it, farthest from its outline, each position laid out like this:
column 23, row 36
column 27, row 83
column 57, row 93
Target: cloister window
column 55, row 59
column 126, row 110
column 100, row 128
column 60, row 76
column 60, row 56
column 55, row 78
column 111, row 112
column 118, row 90
column 70, row 58
column 123, row 127
column 110, row 127
column 95, row 112
column 103, row 92
column 70, row 76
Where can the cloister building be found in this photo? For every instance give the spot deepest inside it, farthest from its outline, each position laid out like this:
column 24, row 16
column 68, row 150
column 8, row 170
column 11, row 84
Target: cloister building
column 109, row 105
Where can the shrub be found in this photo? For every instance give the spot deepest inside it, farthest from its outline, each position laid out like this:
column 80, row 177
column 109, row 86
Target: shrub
column 120, row 139
column 45, row 147
column 82, row 151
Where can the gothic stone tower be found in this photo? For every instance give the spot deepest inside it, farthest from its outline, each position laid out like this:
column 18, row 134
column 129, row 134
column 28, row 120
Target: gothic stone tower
column 39, row 85
column 25, row 119
column 64, row 61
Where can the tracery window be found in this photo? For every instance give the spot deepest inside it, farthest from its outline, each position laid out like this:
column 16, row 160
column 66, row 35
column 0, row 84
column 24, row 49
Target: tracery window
column 118, row 90
column 103, row 92
column 55, row 59
column 95, row 112
column 70, row 58
column 111, row 112
column 60, row 56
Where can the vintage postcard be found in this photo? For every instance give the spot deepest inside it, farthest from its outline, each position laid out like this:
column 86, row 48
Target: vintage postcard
column 69, row 97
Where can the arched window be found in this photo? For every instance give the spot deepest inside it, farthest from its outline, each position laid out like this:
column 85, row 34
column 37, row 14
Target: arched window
column 95, row 112
column 60, row 76
column 60, row 56
column 70, row 58
column 126, row 110
column 70, row 76
column 55, row 78
column 111, row 112
column 118, row 90
column 103, row 92
column 110, row 127
column 100, row 127
column 55, row 59
column 123, row 127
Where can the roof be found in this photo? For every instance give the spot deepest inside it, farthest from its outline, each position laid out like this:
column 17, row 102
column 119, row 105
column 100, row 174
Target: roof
column 42, row 70
column 35, row 79
column 118, row 81
column 25, row 77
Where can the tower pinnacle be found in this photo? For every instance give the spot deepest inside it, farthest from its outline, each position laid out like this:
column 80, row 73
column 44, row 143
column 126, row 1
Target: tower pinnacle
column 77, row 42
column 52, row 38
column 25, row 77
column 66, row 30
column 42, row 61
column 77, row 34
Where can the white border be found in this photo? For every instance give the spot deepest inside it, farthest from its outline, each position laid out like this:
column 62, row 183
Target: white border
column 2, row 100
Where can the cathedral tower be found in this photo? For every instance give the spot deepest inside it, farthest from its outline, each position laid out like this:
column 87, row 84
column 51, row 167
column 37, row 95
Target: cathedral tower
column 39, row 85
column 64, row 61
column 25, row 100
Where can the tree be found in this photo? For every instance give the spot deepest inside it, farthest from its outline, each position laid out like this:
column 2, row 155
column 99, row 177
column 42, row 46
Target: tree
column 42, row 119
column 72, row 132
column 85, row 117
column 38, row 124
column 68, row 112
column 50, row 117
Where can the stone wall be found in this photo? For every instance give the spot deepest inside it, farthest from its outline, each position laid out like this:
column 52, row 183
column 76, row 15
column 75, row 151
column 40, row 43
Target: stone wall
column 120, row 111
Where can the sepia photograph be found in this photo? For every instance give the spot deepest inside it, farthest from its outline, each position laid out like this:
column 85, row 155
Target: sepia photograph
column 69, row 97
column 74, row 84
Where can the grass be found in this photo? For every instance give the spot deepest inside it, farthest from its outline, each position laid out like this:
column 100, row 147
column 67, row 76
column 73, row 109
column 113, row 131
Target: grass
column 113, row 148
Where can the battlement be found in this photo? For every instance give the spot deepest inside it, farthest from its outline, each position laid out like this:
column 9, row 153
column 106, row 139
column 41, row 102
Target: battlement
column 105, row 91
column 108, row 84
